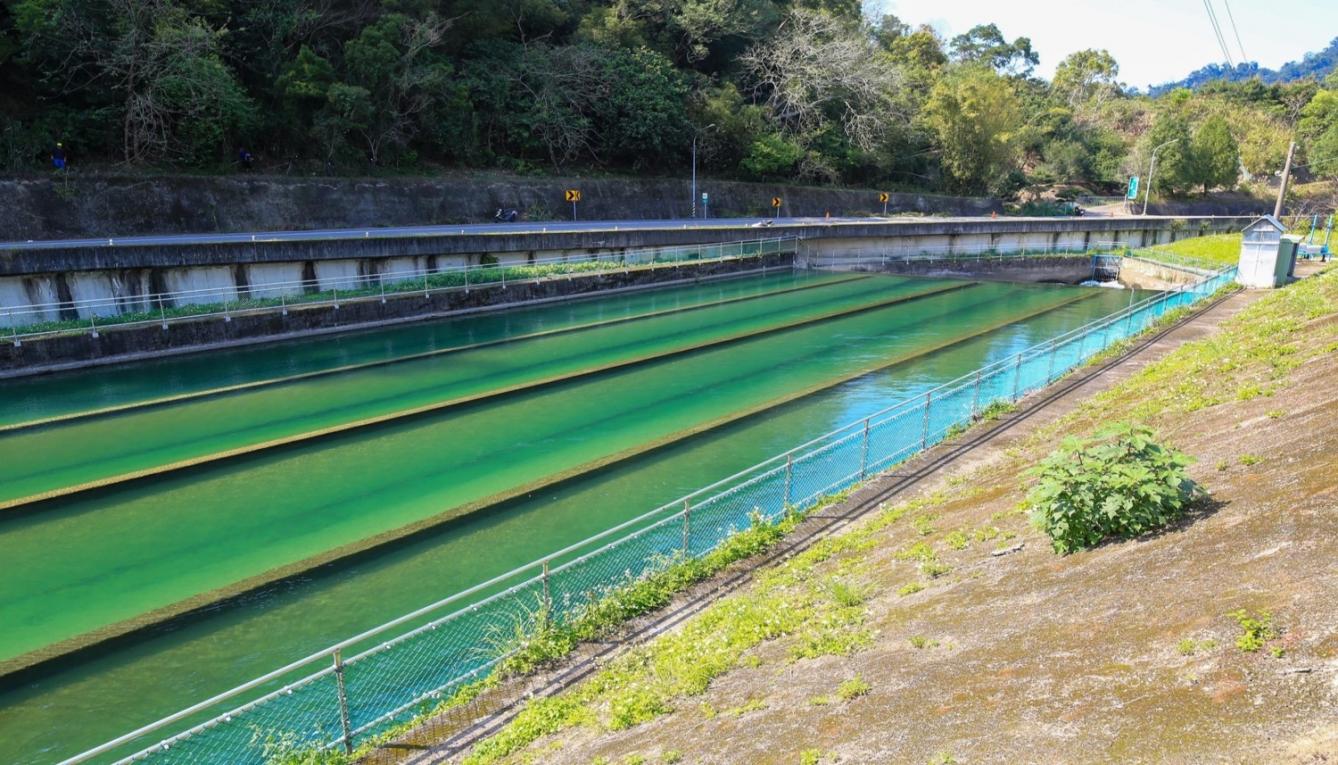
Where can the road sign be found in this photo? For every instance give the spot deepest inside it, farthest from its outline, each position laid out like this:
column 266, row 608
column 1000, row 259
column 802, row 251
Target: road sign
column 1133, row 188
column 573, row 195
column 776, row 202
column 883, row 197
column 705, row 197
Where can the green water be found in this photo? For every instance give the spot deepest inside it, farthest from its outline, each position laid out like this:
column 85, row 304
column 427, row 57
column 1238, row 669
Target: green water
column 74, row 452
column 145, row 680
column 55, row 395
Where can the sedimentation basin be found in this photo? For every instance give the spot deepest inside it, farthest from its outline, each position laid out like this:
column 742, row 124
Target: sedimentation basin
column 173, row 528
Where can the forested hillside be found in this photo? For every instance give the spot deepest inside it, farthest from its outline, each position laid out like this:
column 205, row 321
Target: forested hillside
column 1316, row 64
column 794, row 89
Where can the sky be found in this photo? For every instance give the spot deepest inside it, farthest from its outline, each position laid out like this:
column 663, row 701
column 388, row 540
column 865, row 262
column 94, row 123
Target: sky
column 1154, row 41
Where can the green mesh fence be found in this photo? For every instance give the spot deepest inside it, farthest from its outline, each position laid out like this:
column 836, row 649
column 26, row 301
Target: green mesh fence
column 404, row 668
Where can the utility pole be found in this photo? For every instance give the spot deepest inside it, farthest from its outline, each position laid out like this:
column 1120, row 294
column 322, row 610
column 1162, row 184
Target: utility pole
column 1152, row 168
column 1282, row 187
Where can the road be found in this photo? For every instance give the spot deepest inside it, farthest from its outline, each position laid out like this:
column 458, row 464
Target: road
column 435, row 231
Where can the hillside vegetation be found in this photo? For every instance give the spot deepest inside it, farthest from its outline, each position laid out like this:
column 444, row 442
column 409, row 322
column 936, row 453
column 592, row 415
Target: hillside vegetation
column 769, row 89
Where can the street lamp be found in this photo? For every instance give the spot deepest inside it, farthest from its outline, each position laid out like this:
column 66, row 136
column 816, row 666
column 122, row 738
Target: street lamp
column 1152, row 168
column 695, row 135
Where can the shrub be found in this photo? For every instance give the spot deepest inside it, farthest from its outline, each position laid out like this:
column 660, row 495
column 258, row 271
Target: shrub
column 1120, row 484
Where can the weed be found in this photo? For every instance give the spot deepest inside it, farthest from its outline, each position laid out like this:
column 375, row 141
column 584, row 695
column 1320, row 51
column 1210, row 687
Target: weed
column 995, row 410
column 923, row 524
column 1186, row 647
column 810, row 757
column 845, row 595
column 751, row 705
column 1275, row 414
column 934, row 568
column 853, row 688
column 634, row 759
column 820, row 701
column 986, row 533
column 919, row 642
column 672, row 757
column 1255, row 630
column 708, row 710
column 1250, row 459
column 957, row 540
column 1121, row 484
column 910, row 588
column 921, row 551
column 942, row 758
column 1222, row 465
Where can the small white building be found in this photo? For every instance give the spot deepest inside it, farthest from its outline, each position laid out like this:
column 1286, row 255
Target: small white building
column 1266, row 259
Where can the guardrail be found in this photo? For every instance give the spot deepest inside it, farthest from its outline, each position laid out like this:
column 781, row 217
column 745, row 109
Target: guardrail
column 164, row 308
column 405, row 666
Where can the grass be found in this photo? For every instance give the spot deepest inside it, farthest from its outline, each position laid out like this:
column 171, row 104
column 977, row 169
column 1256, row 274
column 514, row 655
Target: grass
column 1212, row 251
column 853, row 688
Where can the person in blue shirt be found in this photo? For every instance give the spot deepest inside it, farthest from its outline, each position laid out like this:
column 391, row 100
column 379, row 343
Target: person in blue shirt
column 58, row 156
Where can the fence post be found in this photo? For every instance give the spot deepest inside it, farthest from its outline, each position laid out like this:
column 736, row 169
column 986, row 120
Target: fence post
column 548, row 594
column 924, row 432
column 343, row 702
column 864, row 452
column 1082, row 342
column 789, row 476
column 336, row 297
column 162, row 312
column 687, row 528
column 975, row 396
column 1050, row 368
column 283, row 303
column 1017, row 376
column 93, row 320
column 466, row 278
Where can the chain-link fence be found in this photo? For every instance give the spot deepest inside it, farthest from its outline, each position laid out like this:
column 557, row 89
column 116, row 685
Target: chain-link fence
column 141, row 308
column 341, row 696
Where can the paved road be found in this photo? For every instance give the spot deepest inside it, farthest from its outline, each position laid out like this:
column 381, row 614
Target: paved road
column 433, row 231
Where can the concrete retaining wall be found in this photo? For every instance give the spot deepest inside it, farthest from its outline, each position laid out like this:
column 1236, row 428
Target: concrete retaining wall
column 119, row 343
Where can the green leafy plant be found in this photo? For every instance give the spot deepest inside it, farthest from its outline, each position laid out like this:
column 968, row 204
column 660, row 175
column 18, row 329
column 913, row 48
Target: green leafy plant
column 1255, row 630
column 853, row 688
column 910, row 588
column 1120, row 484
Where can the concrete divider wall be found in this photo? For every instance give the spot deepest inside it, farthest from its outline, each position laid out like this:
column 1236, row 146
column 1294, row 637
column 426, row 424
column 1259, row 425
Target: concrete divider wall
column 119, row 343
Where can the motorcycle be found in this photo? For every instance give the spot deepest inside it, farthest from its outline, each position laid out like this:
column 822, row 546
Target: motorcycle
column 506, row 215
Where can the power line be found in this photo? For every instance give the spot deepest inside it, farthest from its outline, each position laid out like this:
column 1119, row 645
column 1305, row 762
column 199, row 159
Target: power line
column 1217, row 30
column 1235, row 30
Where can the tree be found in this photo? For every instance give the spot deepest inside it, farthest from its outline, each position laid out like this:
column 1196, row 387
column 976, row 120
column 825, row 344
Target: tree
column 1318, row 131
column 820, row 76
column 1216, row 157
column 1086, row 76
column 975, row 116
column 985, row 44
column 1175, row 166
